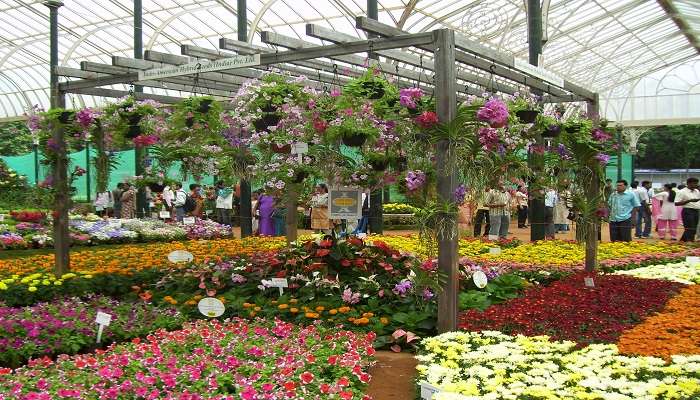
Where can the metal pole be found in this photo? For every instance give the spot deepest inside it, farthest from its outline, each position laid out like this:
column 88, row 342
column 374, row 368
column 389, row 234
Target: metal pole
column 60, row 172
column 593, row 193
column 619, row 152
column 376, row 211
column 139, row 151
column 446, row 107
column 534, row 38
column 87, row 169
column 246, row 209
column 35, row 147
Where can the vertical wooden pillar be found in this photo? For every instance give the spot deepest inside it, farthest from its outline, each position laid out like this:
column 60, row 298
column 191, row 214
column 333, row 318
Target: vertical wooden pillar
column 140, row 152
column 376, row 208
column 292, row 198
column 60, row 172
column 593, row 193
column 245, row 206
column 446, row 106
column 535, row 162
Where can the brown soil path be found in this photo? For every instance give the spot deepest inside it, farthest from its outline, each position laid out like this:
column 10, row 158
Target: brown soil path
column 393, row 376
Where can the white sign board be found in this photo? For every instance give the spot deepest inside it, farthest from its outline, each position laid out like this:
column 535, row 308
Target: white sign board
column 165, row 214
column 201, row 66
column 345, row 203
column 588, row 282
column 480, row 279
column 188, row 220
column 300, row 147
column 2, row 217
column 427, row 390
column 538, row 72
column 278, row 283
column 102, row 319
column 494, row 250
column 179, row 256
column 211, row 307
column 692, row 260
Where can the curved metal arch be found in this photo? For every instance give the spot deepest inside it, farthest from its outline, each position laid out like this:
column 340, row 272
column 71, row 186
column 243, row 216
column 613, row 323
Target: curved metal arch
column 172, row 18
column 18, row 48
column 19, row 90
column 443, row 18
column 84, row 37
column 666, row 74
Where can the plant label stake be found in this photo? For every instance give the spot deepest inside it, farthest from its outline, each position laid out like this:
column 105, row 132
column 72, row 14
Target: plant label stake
column 164, row 214
column 480, row 279
column 188, row 220
column 279, row 283
column 588, row 281
column 427, row 390
column 211, row 307
column 2, row 217
column 102, row 320
column 300, row 148
column 179, row 256
column 494, row 250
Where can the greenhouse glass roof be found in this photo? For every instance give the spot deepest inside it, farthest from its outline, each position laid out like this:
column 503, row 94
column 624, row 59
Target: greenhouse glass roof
column 609, row 46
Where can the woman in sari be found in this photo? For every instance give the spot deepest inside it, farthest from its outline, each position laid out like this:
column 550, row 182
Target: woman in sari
column 264, row 208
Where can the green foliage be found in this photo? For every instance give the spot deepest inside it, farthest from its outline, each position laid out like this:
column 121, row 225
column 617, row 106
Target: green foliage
column 15, row 138
column 670, row 147
column 370, row 86
column 502, row 288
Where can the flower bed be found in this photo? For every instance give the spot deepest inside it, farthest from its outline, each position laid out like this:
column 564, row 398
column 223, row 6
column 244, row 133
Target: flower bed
column 67, row 326
column 208, row 360
column 567, row 310
column 493, row 365
column 675, row 330
column 678, row 272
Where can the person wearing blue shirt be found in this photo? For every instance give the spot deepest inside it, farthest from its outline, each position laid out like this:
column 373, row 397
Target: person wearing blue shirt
column 623, row 207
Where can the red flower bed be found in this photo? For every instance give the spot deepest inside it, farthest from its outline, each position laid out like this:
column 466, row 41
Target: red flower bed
column 28, row 216
column 567, row 310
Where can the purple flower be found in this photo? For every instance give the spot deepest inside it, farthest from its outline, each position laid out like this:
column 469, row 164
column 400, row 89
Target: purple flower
column 460, row 194
column 495, row 112
column 602, row 158
column 415, row 180
column 402, row 287
column 600, row 135
column 488, row 137
column 408, row 97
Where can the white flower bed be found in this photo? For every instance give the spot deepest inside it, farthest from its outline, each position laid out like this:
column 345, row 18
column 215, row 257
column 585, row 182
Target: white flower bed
column 679, row 272
column 492, row 365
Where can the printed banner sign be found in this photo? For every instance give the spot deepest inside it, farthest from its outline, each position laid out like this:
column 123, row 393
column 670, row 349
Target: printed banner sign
column 201, row 66
column 345, row 203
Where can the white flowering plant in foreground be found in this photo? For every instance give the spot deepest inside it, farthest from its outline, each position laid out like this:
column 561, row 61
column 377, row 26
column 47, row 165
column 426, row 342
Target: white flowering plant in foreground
column 678, row 272
column 492, row 365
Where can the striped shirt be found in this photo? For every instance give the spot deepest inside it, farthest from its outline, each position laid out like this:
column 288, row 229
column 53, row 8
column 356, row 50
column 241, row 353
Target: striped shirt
column 502, row 199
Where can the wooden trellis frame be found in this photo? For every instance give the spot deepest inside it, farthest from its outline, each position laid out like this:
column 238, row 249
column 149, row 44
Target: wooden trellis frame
column 457, row 64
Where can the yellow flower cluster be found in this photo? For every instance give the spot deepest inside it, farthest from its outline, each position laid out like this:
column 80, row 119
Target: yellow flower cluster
column 38, row 279
column 128, row 258
column 340, row 314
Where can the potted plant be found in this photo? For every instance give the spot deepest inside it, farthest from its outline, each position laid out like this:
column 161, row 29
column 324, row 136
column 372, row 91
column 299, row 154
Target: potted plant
column 378, row 161
column 370, row 87
column 199, row 113
column 269, row 94
column 129, row 119
column 354, row 128
column 525, row 107
column 550, row 126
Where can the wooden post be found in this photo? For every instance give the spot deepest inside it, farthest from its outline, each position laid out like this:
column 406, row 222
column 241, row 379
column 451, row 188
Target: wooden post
column 292, row 199
column 593, row 192
column 446, row 106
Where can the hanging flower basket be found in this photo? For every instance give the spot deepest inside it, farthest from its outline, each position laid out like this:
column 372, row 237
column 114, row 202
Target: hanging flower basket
column 300, row 176
column 527, row 116
column 134, row 119
column 204, row 106
column 266, row 121
column 189, row 122
column 379, row 165
column 354, row 140
column 281, row 149
column 133, row 131
column 552, row 131
column 573, row 128
column 374, row 89
column 66, row 117
column 400, row 163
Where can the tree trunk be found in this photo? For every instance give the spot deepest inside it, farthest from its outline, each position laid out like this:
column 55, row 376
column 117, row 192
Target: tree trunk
column 61, row 203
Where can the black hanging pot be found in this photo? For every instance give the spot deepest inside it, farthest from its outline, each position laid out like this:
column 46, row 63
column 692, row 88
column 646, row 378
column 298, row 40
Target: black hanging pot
column 204, row 106
column 300, row 176
column 66, row 117
column 392, row 101
column 354, row 140
column 375, row 90
column 552, row 131
column 573, row 128
column 189, row 122
column 266, row 121
column 134, row 119
column 527, row 116
column 379, row 165
column 400, row 163
column 269, row 108
column 133, row 131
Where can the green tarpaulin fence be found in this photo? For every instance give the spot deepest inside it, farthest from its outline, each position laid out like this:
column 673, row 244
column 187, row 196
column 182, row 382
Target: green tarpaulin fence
column 25, row 165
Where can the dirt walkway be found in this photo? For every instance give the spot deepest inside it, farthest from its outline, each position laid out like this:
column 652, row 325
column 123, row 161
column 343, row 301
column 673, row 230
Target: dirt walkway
column 392, row 376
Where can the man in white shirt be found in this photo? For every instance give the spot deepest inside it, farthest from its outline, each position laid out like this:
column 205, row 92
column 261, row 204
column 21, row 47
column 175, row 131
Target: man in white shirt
column 689, row 198
column 180, row 200
column 224, row 203
column 498, row 202
column 550, row 201
column 644, row 211
column 521, row 197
